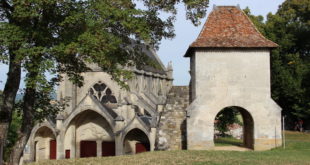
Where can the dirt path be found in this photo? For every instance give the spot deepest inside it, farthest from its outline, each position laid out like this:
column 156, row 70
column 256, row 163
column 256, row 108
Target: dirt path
column 231, row 148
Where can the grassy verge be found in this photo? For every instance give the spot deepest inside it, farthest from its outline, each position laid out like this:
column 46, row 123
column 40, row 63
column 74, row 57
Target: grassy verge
column 227, row 141
column 297, row 152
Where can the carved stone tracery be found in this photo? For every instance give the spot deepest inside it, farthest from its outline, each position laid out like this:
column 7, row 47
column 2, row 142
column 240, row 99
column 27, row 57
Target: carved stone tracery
column 103, row 93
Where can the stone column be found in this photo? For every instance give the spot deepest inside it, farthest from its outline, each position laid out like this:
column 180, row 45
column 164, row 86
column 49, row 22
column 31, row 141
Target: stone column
column 32, row 150
column 60, row 147
column 77, row 149
column 73, row 142
column 152, row 138
column 119, row 124
column 99, row 148
column 118, row 145
column 60, row 137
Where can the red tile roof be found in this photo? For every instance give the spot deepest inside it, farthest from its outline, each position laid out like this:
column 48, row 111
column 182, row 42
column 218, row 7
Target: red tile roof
column 229, row 27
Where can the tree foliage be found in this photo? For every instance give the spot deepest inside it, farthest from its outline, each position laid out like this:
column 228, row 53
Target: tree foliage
column 290, row 62
column 226, row 117
column 59, row 36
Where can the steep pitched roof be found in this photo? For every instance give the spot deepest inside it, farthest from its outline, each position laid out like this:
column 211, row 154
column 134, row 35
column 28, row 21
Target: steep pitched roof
column 229, row 27
column 152, row 61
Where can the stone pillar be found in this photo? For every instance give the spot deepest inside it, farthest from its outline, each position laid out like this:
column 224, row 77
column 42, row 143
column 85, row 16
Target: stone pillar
column 119, row 145
column 73, row 142
column 60, row 137
column 152, row 138
column 170, row 70
column 60, row 147
column 99, row 148
column 77, row 149
column 119, row 124
column 31, row 148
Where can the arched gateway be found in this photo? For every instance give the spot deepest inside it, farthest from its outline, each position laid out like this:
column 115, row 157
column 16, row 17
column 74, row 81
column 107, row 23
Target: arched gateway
column 89, row 134
column 247, row 124
column 44, row 144
column 230, row 65
column 136, row 141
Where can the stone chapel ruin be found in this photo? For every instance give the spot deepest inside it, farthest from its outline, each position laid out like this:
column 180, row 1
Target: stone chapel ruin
column 229, row 66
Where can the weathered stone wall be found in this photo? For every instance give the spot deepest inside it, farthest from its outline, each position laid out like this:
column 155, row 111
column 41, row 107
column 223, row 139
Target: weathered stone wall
column 171, row 133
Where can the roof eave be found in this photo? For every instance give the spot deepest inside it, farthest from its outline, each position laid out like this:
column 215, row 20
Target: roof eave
column 188, row 52
column 191, row 49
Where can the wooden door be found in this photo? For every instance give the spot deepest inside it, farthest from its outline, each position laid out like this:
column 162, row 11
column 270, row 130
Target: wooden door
column 142, row 147
column 53, row 149
column 88, row 149
column 67, row 154
column 108, row 148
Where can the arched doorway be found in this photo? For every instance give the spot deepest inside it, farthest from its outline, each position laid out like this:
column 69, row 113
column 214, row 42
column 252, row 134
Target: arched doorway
column 136, row 141
column 234, row 126
column 44, row 144
column 89, row 135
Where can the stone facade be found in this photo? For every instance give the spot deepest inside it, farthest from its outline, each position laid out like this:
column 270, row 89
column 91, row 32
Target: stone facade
column 231, row 78
column 231, row 74
column 172, row 125
column 103, row 119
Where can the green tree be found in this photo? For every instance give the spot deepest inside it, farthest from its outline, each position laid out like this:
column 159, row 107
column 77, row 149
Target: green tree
column 12, row 134
column 290, row 74
column 226, row 117
column 290, row 28
column 63, row 36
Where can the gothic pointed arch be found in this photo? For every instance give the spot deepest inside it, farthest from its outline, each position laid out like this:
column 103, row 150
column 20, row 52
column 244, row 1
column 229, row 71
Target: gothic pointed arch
column 100, row 110
column 43, row 142
column 136, row 141
column 136, row 122
column 43, row 124
column 86, row 133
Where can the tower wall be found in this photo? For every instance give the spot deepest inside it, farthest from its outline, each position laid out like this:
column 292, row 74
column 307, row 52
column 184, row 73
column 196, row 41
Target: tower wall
column 225, row 78
column 239, row 73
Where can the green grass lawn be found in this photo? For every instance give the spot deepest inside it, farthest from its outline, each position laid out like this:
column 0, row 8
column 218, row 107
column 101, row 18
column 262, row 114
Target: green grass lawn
column 297, row 152
column 227, row 141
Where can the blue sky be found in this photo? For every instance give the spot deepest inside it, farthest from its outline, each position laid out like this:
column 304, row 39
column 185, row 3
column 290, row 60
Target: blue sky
column 173, row 50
